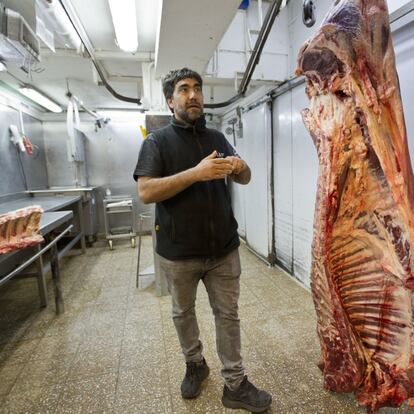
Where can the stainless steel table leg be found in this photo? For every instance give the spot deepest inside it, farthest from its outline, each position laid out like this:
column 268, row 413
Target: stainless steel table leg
column 41, row 280
column 81, row 225
column 54, row 264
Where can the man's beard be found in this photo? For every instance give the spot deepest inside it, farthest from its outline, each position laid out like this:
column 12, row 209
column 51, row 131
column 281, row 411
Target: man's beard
column 189, row 118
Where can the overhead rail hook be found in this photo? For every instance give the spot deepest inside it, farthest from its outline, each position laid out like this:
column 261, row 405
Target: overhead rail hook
column 308, row 13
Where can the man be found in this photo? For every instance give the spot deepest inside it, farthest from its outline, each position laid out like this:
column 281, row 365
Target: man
column 182, row 168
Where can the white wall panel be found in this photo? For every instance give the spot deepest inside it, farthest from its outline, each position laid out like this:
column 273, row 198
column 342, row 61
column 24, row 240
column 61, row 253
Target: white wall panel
column 237, row 191
column 394, row 5
column 305, row 171
column 233, row 50
column 295, row 176
column 403, row 40
column 283, row 193
column 256, row 132
column 234, row 38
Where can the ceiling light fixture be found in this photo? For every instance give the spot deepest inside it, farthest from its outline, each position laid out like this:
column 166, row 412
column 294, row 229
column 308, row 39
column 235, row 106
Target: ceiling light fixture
column 39, row 98
column 124, row 18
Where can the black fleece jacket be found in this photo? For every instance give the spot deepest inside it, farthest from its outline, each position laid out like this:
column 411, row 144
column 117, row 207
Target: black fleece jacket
column 199, row 221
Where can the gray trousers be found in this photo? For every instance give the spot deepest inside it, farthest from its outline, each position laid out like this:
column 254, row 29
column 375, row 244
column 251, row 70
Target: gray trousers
column 221, row 278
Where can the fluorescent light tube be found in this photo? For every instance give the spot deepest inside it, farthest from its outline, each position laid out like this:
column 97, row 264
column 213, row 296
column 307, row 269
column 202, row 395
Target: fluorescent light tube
column 39, row 98
column 124, row 18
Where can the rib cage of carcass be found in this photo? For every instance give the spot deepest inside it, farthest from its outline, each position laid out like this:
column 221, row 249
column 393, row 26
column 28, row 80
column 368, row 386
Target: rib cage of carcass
column 20, row 229
column 362, row 263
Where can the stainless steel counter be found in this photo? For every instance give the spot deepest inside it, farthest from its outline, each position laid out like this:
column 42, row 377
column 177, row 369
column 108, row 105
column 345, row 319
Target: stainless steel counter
column 49, row 221
column 47, row 203
column 53, row 219
column 51, row 203
column 89, row 204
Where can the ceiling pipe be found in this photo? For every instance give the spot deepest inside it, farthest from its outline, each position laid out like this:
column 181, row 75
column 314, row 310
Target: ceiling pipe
column 77, row 25
column 85, row 108
column 272, row 12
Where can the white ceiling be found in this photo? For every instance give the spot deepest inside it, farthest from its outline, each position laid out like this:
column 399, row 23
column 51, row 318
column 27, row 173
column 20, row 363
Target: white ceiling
column 189, row 32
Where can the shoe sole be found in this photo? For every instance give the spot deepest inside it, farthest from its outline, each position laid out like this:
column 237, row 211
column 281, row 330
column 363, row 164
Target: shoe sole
column 191, row 397
column 239, row 404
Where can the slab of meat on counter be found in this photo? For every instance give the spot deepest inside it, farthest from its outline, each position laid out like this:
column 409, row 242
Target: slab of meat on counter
column 362, row 262
column 20, row 228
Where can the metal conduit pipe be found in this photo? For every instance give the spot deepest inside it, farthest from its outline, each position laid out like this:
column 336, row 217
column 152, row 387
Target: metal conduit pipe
column 77, row 25
column 85, row 108
column 272, row 12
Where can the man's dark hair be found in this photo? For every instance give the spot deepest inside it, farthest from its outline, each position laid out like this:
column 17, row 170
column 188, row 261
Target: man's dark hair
column 174, row 76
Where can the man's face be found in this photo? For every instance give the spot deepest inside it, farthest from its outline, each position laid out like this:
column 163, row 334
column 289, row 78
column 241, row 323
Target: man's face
column 187, row 100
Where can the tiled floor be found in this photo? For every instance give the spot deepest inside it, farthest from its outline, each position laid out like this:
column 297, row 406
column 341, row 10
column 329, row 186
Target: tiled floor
column 114, row 350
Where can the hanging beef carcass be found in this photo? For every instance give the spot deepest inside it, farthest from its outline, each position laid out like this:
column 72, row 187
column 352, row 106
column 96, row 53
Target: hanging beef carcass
column 20, row 229
column 362, row 262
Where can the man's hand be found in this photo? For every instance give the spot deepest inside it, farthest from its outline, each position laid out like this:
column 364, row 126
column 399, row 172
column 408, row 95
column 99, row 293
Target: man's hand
column 212, row 168
column 238, row 164
column 157, row 189
column 241, row 171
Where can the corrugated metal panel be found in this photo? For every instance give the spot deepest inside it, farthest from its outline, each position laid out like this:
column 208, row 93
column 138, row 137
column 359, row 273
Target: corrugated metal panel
column 257, row 136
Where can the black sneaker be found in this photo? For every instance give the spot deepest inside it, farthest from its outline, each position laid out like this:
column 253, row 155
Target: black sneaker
column 247, row 396
column 195, row 374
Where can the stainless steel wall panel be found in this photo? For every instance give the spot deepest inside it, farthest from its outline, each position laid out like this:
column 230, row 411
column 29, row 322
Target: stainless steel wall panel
column 35, row 164
column 12, row 178
column 283, row 192
column 60, row 171
column 111, row 155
